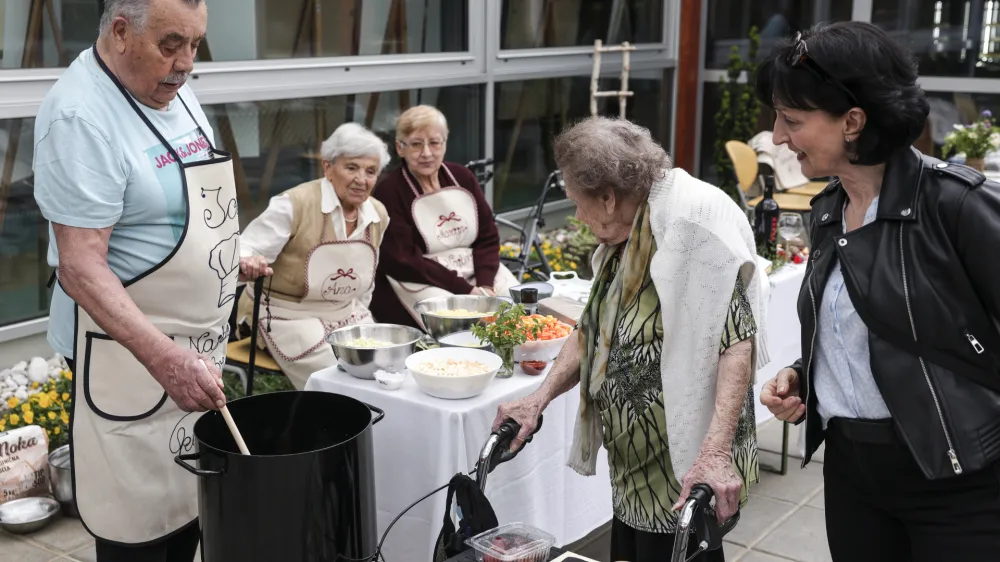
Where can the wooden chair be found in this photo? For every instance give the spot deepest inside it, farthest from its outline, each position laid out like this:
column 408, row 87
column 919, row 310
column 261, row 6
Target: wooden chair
column 745, row 165
column 243, row 357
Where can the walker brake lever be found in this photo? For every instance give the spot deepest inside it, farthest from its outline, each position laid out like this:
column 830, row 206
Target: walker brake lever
column 496, row 451
column 699, row 514
column 506, row 433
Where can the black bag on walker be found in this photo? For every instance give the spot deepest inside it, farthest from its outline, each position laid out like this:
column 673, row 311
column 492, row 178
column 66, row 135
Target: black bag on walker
column 475, row 516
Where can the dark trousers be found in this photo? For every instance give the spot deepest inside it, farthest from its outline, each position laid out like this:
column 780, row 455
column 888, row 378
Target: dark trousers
column 630, row 545
column 180, row 547
column 881, row 508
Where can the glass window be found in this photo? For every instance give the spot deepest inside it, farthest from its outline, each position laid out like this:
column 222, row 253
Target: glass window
column 529, row 24
column 249, row 29
column 955, row 108
column 950, row 38
column 276, row 144
column 529, row 114
column 729, row 21
column 24, row 273
column 710, row 157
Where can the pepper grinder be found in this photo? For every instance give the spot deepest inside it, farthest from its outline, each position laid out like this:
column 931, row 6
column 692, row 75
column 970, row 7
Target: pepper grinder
column 529, row 299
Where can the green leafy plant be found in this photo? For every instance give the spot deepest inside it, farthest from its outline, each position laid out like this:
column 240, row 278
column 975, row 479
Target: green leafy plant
column 505, row 331
column 738, row 110
column 975, row 140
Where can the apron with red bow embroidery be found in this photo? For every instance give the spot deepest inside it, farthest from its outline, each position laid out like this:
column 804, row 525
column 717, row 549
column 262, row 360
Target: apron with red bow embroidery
column 338, row 274
column 448, row 221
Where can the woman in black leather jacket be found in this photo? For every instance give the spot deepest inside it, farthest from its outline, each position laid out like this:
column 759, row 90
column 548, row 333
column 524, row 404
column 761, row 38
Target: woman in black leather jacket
column 899, row 307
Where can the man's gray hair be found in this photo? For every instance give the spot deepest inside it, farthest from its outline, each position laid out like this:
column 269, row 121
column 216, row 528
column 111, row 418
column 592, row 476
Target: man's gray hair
column 135, row 11
column 601, row 153
column 355, row 141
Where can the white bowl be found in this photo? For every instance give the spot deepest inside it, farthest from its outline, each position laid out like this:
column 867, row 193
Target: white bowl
column 541, row 350
column 389, row 381
column 457, row 387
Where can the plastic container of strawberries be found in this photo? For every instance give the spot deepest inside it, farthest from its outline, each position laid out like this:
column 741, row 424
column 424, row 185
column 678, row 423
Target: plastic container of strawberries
column 514, row 542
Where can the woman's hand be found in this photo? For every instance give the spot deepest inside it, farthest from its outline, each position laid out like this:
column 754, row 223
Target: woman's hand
column 524, row 411
column 714, row 468
column 488, row 291
column 253, row 267
column 781, row 396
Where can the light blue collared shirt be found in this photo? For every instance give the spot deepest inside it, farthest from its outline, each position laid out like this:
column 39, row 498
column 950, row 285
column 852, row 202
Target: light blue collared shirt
column 844, row 384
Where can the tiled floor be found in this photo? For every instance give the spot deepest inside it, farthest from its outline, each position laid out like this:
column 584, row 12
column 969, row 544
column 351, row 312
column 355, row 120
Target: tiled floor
column 783, row 521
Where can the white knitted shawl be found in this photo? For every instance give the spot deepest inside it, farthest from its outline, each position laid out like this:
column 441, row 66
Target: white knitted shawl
column 703, row 241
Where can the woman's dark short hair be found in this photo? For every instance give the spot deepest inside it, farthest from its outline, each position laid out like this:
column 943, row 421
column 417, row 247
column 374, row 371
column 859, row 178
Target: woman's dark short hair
column 879, row 72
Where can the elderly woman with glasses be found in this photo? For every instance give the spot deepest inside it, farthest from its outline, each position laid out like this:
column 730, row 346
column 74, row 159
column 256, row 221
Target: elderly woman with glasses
column 667, row 343
column 900, row 368
column 442, row 240
column 320, row 242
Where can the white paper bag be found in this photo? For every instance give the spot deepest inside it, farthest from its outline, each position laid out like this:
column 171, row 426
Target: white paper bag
column 24, row 463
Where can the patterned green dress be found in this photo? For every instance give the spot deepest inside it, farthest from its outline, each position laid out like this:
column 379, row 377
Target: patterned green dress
column 630, row 402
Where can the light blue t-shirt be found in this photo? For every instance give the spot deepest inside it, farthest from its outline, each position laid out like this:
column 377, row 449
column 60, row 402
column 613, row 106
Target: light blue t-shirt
column 97, row 164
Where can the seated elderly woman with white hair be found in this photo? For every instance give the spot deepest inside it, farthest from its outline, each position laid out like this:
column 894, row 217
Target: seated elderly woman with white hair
column 320, row 242
column 668, row 342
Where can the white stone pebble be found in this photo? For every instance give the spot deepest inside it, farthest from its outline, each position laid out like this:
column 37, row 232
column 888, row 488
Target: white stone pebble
column 17, row 380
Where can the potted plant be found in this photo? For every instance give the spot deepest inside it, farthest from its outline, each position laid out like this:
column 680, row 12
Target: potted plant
column 504, row 332
column 738, row 113
column 975, row 140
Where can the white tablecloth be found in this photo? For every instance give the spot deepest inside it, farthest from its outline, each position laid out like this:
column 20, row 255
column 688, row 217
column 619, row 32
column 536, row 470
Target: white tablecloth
column 424, row 441
column 783, row 329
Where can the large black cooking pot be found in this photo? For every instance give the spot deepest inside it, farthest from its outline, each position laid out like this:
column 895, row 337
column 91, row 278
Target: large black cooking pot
column 305, row 493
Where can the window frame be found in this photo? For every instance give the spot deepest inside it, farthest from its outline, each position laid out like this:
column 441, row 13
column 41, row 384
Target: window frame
column 484, row 63
column 860, row 11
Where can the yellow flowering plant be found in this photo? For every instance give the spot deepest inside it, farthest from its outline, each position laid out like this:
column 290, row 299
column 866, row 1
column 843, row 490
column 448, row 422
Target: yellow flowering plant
column 48, row 408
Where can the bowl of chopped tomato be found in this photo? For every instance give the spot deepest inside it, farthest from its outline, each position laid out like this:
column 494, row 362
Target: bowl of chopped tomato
column 546, row 336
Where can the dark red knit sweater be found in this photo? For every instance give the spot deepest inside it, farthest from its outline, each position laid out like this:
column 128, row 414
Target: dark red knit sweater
column 401, row 255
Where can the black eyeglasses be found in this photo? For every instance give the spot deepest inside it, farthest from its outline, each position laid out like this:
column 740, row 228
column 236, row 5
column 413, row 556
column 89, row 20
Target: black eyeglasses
column 800, row 58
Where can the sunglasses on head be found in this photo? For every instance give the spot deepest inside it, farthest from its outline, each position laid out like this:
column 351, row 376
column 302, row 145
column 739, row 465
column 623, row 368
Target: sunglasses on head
column 799, row 58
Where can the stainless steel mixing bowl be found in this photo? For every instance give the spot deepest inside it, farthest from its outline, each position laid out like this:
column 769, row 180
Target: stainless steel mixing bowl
column 362, row 362
column 60, row 467
column 439, row 326
column 28, row 515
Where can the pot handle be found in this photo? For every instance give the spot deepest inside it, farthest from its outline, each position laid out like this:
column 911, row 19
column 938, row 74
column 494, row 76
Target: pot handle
column 380, row 412
column 179, row 459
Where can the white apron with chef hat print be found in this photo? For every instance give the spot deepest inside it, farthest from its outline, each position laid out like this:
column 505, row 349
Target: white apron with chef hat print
column 448, row 221
column 338, row 274
column 125, row 430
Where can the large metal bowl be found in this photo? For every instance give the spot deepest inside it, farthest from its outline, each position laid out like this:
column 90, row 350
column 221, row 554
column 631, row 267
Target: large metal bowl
column 362, row 362
column 439, row 326
column 28, row 515
column 61, row 470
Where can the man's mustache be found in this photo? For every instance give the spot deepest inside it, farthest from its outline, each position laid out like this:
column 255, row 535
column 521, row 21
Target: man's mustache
column 175, row 78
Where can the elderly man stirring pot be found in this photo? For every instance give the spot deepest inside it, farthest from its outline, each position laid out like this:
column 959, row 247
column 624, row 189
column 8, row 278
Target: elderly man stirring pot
column 145, row 237
column 665, row 350
column 321, row 240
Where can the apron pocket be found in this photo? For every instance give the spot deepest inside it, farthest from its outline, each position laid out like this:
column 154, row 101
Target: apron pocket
column 116, row 385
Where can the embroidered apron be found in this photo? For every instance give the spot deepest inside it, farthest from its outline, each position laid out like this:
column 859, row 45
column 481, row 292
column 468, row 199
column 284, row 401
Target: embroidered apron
column 338, row 274
column 448, row 221
column 125, row 429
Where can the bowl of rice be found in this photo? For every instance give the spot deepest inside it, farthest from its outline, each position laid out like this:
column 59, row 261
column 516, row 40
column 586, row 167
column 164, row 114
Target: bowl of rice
column 453, row 373
column 365, row 348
